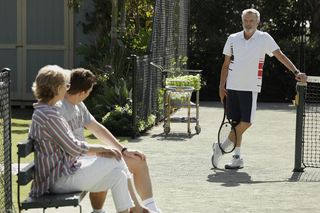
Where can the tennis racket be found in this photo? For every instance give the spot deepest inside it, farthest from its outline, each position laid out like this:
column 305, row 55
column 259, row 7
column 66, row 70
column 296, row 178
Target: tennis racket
column 227, row 128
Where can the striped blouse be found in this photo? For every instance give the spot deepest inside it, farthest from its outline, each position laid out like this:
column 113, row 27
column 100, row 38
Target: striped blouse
column 56, row 148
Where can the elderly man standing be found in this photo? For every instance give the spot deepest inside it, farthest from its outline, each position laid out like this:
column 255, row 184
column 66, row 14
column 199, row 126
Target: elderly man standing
column 241, row 78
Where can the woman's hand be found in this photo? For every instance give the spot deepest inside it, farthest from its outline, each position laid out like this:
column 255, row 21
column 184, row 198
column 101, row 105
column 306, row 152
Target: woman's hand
column 109, row 153
column 134, row 154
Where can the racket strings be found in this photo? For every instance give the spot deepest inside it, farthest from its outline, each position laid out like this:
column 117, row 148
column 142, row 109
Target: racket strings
column 226, row 145
column 227, row 129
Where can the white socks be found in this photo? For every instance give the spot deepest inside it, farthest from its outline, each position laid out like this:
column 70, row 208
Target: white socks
column 151, row 205
column 228, row 143
column 237, row 151
column 99, row 211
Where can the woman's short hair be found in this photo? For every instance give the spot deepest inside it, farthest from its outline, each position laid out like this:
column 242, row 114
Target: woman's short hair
column 253, row 11
column 81, row 80
column 49, row 78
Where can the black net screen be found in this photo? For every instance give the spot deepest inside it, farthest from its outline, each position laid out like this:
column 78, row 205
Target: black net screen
column 169, row 42
column 5, row 148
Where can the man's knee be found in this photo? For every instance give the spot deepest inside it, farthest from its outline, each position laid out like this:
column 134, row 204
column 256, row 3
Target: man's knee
column 245, row 125
column 136, row 166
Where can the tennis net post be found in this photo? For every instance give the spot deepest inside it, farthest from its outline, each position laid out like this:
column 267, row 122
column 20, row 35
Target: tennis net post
column 301, row 90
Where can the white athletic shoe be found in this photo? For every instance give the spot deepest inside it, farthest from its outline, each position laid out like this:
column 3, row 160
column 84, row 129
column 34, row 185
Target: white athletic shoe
column 236, row 163
column 217, row 154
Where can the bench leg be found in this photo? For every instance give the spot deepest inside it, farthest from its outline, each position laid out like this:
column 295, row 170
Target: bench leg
column 80, row 208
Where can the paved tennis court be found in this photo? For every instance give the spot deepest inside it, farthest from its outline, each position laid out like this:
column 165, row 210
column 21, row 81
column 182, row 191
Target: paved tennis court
column 184, row 181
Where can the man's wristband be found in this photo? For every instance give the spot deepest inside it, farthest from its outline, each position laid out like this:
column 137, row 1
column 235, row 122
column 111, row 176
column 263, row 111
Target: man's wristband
column 124, row 149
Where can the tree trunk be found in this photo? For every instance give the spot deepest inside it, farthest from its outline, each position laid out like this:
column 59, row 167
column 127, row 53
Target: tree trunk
column 114, row 24
column 123, row 17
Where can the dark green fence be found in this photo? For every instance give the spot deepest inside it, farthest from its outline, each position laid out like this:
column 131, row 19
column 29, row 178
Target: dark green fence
column 5, row 147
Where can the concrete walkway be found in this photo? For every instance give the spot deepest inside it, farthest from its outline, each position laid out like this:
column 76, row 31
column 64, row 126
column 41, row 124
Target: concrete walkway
column 185, row 182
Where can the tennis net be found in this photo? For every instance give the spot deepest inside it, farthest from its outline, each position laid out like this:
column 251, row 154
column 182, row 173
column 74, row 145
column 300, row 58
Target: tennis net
column 308, row 124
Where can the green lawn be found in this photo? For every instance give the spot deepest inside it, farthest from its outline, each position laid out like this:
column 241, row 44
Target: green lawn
column 20, row 122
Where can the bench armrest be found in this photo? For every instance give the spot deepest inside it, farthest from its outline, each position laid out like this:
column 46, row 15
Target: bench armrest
column 25, row 148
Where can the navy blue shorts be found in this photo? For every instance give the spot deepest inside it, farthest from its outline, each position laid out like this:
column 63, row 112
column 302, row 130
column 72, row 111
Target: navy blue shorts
column 241, row 105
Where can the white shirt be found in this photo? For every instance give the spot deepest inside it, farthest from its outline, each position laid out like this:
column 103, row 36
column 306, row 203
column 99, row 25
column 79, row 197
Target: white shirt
column 245, row 70
column 77, row 117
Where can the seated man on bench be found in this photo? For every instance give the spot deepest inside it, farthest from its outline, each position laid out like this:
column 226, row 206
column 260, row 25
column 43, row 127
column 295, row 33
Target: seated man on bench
column 59, row 163
column 77, row 115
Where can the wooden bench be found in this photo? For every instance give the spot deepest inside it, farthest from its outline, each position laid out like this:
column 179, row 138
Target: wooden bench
column 26, row 175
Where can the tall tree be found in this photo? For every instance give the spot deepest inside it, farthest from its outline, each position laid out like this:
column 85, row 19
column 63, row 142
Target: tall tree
column 314, row 6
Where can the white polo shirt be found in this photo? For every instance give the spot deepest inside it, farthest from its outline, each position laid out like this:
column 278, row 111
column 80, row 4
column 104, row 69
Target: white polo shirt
column 245, row 71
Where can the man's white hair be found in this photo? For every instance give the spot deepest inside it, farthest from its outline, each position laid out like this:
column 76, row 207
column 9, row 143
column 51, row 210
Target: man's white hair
column 251, row 10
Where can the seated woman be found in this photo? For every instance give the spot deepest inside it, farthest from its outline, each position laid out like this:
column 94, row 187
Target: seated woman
column 59, row 163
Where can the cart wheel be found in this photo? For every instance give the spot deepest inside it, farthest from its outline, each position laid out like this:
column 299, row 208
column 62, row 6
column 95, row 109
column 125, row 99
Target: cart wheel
column 198, row 129
column 166, row 129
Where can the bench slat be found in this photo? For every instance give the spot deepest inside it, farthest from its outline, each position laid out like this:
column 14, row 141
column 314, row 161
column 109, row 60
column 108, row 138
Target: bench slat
column 53, row 200
column 26, row 174
column 25, row 148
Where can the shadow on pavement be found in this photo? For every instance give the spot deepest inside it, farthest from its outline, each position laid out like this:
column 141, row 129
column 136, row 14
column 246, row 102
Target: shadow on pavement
column 175, row 137
column 232, row 178
column 229, row 178
column 309, row 175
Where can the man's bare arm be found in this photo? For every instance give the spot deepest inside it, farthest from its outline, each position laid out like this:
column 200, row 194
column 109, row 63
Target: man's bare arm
column 103, row 134
column 223, row 77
